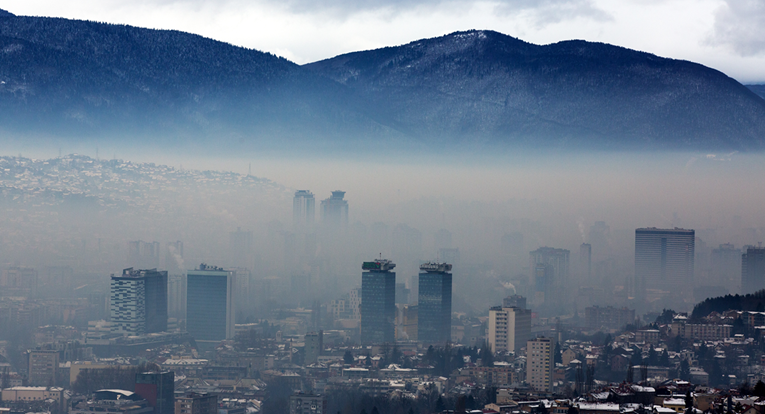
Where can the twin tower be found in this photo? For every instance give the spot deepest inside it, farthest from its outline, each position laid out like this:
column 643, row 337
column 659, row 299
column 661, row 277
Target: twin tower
column 378, row 303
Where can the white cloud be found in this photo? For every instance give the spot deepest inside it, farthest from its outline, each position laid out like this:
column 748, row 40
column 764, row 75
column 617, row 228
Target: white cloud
column 740, row 25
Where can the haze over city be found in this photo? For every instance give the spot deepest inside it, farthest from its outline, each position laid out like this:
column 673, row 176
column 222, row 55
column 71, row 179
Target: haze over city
column 382, row 207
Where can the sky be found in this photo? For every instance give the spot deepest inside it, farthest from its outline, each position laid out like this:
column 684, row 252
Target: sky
column 728, row 35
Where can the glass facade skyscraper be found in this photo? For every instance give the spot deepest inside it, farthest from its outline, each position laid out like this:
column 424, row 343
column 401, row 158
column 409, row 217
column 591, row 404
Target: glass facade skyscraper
column 139, row 302
column 210, row 304
column 378, row 302
column 434, row 303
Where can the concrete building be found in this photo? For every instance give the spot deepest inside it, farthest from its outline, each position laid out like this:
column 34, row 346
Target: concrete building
column 726, row 267
column 509, row 328
column 158, row 388
column 585, row 260
column 314, row 344
column 334, row 211
column 210, row 304
column 43, row 367
column 308, row 404
column 753, row 270
column 514, row 301
column 32, row 393
column 608, row 318
column 139, row 302
column 540, row 364
column 378, row 302
column 113, row 401
column 664, row 259
column 303, row 210
column 434, row 303
column 194, row 403
column 551, row 274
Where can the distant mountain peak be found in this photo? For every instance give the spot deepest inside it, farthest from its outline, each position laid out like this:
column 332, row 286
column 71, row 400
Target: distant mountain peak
column 4, row 13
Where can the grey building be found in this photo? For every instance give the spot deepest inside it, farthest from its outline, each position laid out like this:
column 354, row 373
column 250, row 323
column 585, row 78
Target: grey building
column 139, row 302
column 378, row 302
column 334, row 210
column 308, row 404
column 434, row 303
column 753, row 270
column 210, row 304
column 304, row 209
column 664, row 259
column 158, row 388
column 551, row 273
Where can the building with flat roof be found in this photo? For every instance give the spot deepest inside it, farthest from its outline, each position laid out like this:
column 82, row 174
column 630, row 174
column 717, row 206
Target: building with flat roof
column 509, row 328
column 540, row 364
column 139, row 302
column 194, row 403
column 753, row 270
column 334, row 210
column 434, row 303
column 664, row 259
column 303, row 209
column 308, row 404
column 210, row 304
column 378, row 302
column 158, row 388
column 43, row 367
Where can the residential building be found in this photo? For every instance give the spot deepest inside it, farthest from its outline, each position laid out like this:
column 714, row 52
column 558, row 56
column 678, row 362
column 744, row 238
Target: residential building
column 434, row 303
column 210, row 304
column 551, row 273
column 32, row 393
column 664, row 259
column 608, row 318
column 308, row 404
column 314, row 344
column 540, row 364
column 43, row 367
column 378, row 302
column 334, row 210
column 139, row 302
column 509, row 328
column 158, row 388
column 303, row 210
column 197, row 403
column 753, row 270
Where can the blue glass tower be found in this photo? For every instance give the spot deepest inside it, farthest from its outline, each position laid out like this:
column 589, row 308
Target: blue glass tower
column 378, row 302
column 434, row 303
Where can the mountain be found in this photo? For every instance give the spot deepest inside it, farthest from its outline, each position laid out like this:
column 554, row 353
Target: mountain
column 4, row 13
column 758, row 89
column 72, row 81
column 76, row 79
column 489, row 87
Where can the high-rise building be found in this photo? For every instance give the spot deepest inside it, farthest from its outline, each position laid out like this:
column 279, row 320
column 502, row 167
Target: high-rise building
column 334, row 210
column 308, row 404
column 585, row 260
column 43, row 367
column 314, row 344
column 664, row 259
column 139, row 302
column 509, row 328
column 194, row 403
column 540, row 364
column 551, row 270
column 143, row 255
column 514, row 301
column 434, row 303
column 210, row 304
column 378, row 302
column 304, row 209
column 753, row 270
column 158, row 388
column 176, row 296
column 725, row 262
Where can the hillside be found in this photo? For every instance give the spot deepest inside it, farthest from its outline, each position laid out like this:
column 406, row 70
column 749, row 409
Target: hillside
column 64, row 81
column 484, row 85
column 78, row 78
column 758, row 89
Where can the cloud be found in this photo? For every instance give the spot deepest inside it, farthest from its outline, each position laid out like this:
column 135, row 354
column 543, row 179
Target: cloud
column 545, row 12
column 740, row 25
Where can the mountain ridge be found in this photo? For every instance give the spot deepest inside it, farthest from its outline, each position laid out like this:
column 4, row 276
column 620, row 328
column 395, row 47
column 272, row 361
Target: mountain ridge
column 70, row 79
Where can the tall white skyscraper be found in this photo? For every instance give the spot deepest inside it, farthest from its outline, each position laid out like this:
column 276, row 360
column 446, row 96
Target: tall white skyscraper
column 303, row 210
column 664, row 259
